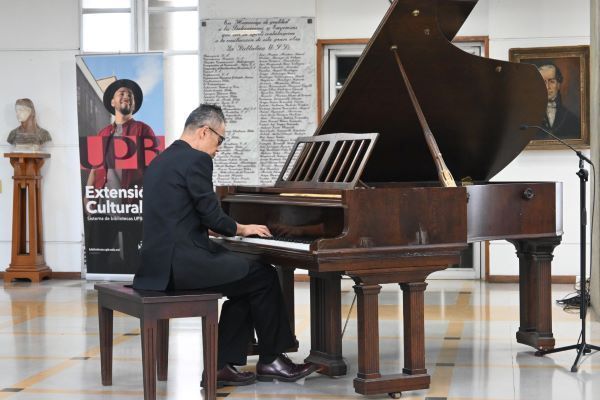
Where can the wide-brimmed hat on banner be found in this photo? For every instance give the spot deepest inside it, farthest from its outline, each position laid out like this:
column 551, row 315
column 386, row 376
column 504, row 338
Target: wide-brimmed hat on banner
column 118, row 84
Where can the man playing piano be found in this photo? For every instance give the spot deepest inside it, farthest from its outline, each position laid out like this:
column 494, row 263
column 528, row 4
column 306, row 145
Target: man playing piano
column 180, row 207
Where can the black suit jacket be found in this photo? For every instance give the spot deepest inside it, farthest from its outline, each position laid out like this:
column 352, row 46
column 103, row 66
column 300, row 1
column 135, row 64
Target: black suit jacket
column 180, row 206
column 566, row 123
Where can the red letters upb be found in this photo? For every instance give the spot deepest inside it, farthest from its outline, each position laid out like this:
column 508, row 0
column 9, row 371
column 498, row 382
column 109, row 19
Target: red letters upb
column 125, row 152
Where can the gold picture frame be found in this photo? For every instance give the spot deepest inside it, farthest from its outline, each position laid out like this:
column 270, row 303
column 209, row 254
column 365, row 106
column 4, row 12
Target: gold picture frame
column 566, row 71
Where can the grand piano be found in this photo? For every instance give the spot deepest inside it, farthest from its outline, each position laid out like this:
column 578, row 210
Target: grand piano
column 381, row 214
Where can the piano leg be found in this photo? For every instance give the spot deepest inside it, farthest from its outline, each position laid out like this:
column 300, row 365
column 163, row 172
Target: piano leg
column 413, row 309
column 535, row 291
column 326, row 323
column 369, row 380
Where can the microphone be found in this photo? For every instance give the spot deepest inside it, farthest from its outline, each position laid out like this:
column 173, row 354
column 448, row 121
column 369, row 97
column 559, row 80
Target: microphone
column 579, row 153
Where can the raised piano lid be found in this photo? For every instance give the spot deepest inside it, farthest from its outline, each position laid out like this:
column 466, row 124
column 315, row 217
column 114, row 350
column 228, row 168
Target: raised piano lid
column 473, row 105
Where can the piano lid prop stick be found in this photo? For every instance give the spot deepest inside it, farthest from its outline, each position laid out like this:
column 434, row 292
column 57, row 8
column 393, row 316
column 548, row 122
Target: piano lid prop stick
column 443, row 171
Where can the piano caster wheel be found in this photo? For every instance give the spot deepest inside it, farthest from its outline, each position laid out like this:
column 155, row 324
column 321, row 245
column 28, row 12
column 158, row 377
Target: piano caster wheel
column 395, row 395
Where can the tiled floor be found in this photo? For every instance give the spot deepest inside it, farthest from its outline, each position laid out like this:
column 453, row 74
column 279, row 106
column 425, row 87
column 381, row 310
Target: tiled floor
column 49, row 348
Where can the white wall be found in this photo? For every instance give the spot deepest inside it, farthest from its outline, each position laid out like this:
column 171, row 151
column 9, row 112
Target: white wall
column 39, row 39
column 38, row 44
column 216, row 9
column 342, row 19
column 39, row 25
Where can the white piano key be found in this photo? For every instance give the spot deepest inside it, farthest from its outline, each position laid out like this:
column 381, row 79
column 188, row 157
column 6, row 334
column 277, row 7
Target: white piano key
column 270, row 242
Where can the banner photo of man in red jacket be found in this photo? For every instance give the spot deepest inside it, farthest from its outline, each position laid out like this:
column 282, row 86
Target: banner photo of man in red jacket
column 115, row 148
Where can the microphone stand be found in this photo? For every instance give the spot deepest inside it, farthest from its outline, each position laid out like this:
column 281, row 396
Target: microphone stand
column 582, row 346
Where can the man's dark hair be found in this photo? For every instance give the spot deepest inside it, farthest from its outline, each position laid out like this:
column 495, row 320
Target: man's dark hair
column 558, row 74
column 206, row 114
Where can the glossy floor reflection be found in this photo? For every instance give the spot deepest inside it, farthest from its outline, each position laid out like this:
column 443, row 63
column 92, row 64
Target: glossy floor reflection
column 49, row 348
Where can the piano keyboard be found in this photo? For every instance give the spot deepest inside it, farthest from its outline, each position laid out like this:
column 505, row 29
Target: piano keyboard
column 282, row 242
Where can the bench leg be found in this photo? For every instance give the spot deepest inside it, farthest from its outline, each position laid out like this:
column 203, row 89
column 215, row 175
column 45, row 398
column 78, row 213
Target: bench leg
column 162, row 350
column 210, row 344
column 149, row 331
column 105, row 321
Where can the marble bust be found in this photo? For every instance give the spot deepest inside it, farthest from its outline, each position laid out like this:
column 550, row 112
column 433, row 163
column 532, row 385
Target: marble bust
column 28, row 136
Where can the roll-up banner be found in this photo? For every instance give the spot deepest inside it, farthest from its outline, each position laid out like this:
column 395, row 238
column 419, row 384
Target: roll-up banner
column 120, row 103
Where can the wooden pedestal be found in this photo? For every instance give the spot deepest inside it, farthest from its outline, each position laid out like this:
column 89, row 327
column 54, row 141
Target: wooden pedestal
column 27, row 255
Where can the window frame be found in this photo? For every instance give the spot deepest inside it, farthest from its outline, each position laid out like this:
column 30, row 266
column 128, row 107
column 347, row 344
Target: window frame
column 140, row 29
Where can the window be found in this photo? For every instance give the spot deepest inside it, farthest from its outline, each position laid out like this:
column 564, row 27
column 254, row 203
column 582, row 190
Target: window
column 139, row 25
column 173, row 26
column 106, row 26
column 339, row 62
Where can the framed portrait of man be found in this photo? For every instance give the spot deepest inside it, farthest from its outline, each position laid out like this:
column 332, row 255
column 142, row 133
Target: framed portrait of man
column 566, row 72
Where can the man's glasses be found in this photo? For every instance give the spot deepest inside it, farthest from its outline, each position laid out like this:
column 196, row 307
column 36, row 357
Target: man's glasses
column 220, row 137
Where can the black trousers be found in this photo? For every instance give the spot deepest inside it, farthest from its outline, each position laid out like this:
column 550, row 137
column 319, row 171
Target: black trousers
column 255, row 302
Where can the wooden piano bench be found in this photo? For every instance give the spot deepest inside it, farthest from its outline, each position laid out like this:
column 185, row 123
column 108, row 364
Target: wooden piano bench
column 154, row 309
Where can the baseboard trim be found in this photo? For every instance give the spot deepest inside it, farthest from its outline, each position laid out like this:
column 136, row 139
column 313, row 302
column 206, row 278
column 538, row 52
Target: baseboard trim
column 66, row 275
column 301, row 278
column 569, row 279
column 59, row 275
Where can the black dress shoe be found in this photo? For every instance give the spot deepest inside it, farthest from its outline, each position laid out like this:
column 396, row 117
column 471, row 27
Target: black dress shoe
column 229, row 376
column 283, row 369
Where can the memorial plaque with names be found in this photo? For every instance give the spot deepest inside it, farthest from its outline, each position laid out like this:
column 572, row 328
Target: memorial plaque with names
column 262, row 72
